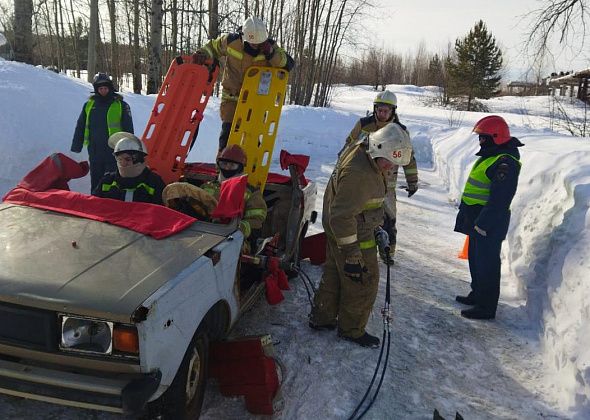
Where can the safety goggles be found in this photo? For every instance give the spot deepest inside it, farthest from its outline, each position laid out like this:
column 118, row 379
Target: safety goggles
column 228, row 165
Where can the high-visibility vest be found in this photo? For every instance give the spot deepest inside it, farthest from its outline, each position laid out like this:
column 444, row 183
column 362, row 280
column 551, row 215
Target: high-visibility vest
column 477, row 187
column 114, row 115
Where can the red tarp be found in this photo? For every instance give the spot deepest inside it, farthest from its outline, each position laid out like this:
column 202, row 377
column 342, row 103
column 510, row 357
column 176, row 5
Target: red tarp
column 46, row 187
column 150, row 219
column 53, row 172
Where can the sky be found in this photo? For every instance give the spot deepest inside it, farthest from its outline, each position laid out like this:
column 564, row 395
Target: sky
column 402, row 25
column 531, row 362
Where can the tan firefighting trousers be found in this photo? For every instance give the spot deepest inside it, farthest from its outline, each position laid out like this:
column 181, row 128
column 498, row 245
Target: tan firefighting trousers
column 341, row 300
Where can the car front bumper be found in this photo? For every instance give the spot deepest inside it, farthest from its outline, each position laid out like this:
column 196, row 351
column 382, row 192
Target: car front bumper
column 122, row 394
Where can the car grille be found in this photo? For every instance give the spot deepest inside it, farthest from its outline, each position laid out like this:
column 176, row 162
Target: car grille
column 27, row 327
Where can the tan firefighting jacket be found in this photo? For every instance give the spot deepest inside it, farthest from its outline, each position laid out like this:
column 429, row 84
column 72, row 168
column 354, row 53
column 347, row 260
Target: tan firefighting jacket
column 370, row 124
column 238, row 61
column 254, row 211
column 353, row 201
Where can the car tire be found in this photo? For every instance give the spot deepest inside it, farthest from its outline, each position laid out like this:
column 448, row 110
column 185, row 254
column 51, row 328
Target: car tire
column 184, row 398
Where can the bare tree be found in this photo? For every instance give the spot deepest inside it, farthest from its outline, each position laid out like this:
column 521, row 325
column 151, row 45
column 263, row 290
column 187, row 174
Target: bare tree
column 137, row 82
column 23, row 31
column 92, row 35
column 154, row 57
column 114, row 50
column 564, row 18
column 213, row 19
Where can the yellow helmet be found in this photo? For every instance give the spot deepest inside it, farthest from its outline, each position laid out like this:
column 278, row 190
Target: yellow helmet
column 386, row 97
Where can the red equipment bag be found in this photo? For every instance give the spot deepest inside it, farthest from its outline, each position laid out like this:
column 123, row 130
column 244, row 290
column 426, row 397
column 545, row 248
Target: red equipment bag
column 314, row 248
column 247, row 366
column 178, row 110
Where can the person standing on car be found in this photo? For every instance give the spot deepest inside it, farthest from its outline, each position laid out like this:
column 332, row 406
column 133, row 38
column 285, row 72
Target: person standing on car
column 384, row 112
column 350, row 217
column 103, row 115
column 251, row 46
column 133, row 180
column 484, row 212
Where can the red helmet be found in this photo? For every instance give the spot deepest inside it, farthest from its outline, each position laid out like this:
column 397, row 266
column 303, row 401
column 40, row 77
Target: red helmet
column 494, row 126
column 233, row 153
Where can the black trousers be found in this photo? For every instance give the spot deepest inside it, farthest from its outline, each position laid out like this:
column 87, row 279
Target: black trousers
column 484, row 266
column 98, row 168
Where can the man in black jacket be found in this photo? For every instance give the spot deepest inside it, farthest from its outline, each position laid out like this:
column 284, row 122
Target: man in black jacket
column 484, row 213
column 133, row 180
column 104, row 114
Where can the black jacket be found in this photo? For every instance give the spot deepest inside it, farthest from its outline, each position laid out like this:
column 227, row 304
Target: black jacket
column 98, row 148
column 112, row 185
column 494, row 217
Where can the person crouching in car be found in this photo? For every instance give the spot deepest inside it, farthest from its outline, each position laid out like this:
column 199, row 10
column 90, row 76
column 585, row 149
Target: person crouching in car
column 133, row 180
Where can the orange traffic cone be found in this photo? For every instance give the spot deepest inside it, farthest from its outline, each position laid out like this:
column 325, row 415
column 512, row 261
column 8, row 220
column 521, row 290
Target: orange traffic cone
column 464, row 254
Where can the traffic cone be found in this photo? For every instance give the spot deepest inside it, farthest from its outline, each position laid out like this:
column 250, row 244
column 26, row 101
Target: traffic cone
column 464, row 254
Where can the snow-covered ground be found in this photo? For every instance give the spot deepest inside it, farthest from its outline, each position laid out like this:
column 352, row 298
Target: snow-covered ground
column 533, row 361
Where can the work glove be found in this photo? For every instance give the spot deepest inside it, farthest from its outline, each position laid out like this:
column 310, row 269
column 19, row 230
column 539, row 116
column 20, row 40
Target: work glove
column 354, row 267
column 412, row 188
column 382, row 239
column 267, row 49
column 200, row 57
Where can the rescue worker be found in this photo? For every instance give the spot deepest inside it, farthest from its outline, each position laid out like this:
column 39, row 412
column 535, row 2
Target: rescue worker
column 133, row 180
column 384, row 112
column 104, row 114
column 231, row 162
column 484, row 212
column 249, row 47
column 351, row 215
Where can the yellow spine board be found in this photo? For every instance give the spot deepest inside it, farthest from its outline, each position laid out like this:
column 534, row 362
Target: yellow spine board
column 256, row 120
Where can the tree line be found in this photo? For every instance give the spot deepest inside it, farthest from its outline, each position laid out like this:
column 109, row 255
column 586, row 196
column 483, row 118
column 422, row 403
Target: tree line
column 141, row 37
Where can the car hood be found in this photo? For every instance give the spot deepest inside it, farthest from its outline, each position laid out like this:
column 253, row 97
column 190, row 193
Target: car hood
column 75, row 265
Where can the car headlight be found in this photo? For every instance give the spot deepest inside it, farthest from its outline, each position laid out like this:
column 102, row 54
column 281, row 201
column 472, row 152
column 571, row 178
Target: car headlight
column 86, row 335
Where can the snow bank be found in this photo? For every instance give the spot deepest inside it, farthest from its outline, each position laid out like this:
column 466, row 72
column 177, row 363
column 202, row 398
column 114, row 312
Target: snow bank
column 546, row 254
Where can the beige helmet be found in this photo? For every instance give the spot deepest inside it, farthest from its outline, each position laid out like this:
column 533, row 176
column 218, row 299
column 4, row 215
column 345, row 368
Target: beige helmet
column 254, row 31
column 126, row 142
column 392, row 143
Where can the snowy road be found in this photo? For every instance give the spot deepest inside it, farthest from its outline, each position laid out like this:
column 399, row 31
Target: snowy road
column 438, row 359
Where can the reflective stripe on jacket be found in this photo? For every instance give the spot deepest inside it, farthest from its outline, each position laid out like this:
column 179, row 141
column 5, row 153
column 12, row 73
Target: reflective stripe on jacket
column 239, row 60
column 351, row 213
column 477, row 187
column 114, row 115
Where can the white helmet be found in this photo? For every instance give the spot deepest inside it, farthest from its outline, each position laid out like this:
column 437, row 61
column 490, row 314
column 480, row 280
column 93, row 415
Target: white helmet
column 392, row 143
column 386, row 97
column 126, row 142
column 254, row 31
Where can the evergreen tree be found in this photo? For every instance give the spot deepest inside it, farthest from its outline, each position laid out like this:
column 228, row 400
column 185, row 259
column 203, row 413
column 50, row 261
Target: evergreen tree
column 475, row 72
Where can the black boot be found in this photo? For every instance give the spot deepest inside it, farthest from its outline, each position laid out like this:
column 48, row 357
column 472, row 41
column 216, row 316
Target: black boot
column 466, row 300
column 477, row 313
column 365, row 340
column 326, row 327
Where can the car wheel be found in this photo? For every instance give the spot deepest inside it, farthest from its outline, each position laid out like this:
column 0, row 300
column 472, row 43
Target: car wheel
column 184, row 398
